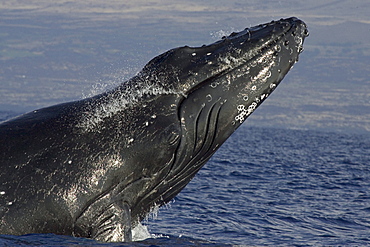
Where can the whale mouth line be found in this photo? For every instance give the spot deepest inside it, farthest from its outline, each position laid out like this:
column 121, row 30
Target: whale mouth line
column 200, row 153
column 202, row 146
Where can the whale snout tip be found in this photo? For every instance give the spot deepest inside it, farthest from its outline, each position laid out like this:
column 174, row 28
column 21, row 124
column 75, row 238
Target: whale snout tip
column 299, row 24
column 292, row 33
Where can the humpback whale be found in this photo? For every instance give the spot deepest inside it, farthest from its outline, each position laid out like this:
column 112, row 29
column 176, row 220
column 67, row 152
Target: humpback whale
column 97, row 166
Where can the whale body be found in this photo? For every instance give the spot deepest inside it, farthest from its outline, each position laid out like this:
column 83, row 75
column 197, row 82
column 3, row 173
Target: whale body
column 96, row 167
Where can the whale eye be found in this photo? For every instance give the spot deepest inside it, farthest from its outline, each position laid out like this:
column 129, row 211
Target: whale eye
column 173, row 138
column 171, row 135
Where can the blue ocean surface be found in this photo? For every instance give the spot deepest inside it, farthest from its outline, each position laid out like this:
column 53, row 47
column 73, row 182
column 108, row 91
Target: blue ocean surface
column 264, row 187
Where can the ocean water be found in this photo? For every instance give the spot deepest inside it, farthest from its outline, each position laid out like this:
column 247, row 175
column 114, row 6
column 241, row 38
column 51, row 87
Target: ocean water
column 263, row 187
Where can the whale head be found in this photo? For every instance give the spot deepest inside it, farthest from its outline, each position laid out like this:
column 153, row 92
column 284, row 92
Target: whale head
column 211, row 90
column 185, row 103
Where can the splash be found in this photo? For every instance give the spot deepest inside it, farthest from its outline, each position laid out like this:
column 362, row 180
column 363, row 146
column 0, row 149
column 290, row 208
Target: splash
column 141, row 232
column 126, row 95
column 216, row 35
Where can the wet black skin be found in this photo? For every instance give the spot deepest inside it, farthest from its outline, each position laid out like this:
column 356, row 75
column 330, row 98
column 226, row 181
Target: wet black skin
column 95, row 167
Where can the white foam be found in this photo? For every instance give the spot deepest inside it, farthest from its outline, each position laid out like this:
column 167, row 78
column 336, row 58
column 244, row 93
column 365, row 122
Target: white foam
column 140, row 232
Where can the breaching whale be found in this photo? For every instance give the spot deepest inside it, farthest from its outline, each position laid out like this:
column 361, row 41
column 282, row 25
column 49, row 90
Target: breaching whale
column 96, row 167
